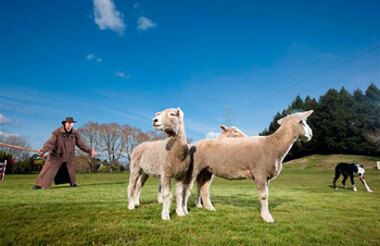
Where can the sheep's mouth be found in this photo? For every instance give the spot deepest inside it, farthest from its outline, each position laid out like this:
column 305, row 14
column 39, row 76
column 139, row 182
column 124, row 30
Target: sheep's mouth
column 155, row 125
column 305, row 138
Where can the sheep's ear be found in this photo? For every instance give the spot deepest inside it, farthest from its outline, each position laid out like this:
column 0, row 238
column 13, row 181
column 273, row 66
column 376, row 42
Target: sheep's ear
column 223, row 127
column 280, row 121
column 307, row 114
column 180, row 112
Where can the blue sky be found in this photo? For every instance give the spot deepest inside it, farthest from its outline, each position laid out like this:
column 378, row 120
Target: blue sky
column 122, row 61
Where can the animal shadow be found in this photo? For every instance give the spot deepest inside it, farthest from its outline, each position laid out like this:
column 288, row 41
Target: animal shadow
column 247, row 201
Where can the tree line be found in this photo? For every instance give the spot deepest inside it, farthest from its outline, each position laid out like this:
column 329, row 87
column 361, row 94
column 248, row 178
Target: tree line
column 342, row 123
column 114, row 143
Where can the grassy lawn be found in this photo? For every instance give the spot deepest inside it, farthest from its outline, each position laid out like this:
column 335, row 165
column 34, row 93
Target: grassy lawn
column 307, row 212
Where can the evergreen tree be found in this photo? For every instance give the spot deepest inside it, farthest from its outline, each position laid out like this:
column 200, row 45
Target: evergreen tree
column 339, row 122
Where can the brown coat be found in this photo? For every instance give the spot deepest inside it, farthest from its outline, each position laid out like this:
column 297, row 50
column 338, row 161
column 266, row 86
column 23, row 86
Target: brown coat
column 61, row 150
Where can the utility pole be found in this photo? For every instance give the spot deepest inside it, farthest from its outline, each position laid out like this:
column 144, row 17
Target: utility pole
column 228, row 115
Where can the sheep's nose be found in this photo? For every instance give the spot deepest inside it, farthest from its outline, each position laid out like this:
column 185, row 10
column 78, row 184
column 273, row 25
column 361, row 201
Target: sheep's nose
column 155, row 120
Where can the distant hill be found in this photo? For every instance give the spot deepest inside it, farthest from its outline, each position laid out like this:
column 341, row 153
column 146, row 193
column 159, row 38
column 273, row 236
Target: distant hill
column 328, row 162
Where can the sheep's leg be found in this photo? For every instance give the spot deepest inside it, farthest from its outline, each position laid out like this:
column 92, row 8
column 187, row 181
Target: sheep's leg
column 167, row 197
column 159, row 196
column 140, row 183
column 205, row 190
column 131, row 187
column 189, row 182
column 198, row 199
column 179, row 197
column 262, row 187
column 187, row 193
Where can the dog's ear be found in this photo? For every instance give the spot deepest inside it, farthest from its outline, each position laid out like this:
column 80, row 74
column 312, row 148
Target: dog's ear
column 361, row 166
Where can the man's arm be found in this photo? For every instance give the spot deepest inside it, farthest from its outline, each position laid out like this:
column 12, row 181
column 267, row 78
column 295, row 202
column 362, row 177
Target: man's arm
column 82, row 145
column 49, row 145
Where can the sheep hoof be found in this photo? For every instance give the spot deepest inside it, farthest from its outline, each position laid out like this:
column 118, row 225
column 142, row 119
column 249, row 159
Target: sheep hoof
column 165, row 217
column 198, row 205
column 369, row 190
column 180, row 212
column 267, row 218
column 269, row 221
column 211, row 208
column 186, row 211
column 137, row 203
column 131, row 206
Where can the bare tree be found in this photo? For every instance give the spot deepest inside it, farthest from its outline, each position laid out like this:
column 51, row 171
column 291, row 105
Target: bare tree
column 132, row 136
column 18, row 154
column 154, row 135
column 112, row 143
column 90, row 132
column 374, row 137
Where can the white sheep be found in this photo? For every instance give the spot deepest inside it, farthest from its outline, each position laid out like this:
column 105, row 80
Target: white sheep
column 205, row 178
column 256, row 158
column 165, row 159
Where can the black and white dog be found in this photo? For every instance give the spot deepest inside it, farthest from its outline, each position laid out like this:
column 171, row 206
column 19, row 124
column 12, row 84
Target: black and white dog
column 352, row 169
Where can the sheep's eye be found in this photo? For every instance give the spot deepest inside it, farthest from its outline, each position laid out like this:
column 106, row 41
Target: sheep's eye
column 172, row 114
column 301, row 122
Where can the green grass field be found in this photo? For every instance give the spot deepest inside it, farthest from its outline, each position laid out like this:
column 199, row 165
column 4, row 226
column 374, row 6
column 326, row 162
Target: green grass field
column 307, row 211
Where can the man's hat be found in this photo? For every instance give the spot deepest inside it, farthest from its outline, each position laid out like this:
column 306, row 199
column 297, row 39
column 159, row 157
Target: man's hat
column 69, row 119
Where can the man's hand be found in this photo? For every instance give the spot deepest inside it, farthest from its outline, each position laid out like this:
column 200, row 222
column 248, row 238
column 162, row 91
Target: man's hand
column 41, row 152
column 94, row 153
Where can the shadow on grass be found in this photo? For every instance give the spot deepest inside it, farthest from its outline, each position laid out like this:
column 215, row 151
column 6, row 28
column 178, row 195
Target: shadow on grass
column 87, row 185
column 245, row 201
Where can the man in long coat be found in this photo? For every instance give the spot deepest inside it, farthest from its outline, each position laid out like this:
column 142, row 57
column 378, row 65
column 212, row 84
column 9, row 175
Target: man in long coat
column 59, row 164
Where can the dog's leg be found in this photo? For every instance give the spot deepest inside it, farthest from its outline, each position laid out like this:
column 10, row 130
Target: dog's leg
column 337, row 175
column 365, row 184
column 353, row 183
column 345, row 176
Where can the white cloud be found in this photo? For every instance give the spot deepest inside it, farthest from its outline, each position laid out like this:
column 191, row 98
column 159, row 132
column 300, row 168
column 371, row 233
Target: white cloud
column 145, row 23
column 4, row 120
column 108, row 17
column 4, row 134
column 123, row 75
column 212, row 135
column 92, row 57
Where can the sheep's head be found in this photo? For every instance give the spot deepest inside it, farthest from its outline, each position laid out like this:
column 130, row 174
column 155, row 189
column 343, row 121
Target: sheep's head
column 299, row 124
column 231, row 132
column 169, row 121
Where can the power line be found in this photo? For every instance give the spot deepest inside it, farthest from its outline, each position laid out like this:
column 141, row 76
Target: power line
column 313, row 76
